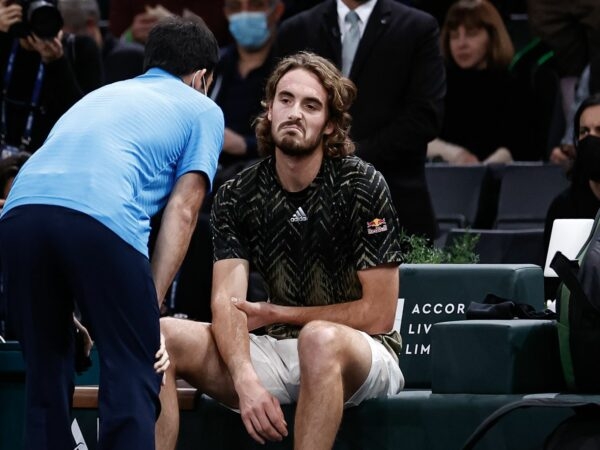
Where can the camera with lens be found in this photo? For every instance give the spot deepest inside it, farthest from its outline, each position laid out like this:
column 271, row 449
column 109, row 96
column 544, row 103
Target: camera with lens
column 40, row 17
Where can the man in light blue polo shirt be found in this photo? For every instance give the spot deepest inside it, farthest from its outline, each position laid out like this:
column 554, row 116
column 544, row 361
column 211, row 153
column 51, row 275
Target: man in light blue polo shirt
column 75, row 228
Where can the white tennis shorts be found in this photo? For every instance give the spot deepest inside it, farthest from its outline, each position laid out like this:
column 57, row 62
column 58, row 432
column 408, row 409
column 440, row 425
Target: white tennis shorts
column 277, row 366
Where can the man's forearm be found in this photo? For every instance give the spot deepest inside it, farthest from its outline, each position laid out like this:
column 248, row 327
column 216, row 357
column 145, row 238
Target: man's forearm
column 230, row 331
column 229, row 325
column 173, row 239
column 358, row 314
column 176, row 229
column 374, row 313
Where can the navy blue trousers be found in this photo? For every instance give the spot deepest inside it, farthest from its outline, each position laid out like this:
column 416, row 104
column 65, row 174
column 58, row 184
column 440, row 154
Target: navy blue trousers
column 51, row 259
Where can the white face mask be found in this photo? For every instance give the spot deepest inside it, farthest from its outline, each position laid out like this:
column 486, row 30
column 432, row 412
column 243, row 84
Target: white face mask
column 203, row 83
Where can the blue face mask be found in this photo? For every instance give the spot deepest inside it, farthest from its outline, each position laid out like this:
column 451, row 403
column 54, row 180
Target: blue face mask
column 249, row 29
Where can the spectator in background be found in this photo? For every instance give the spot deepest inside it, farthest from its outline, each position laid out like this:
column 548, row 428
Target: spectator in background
column 581, row 199
column 564, row 154
column 399, row 73
column 48, row 76
column 120, row 60
column 588, row 83
column 241, row 74
column 571, row 28
column 482, row 114
column 133, row 19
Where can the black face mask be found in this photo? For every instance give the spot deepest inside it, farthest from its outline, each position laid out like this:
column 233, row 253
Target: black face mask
column 588, row 157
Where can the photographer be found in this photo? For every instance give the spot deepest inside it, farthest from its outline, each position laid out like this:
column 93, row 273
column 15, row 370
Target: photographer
column 40, row 76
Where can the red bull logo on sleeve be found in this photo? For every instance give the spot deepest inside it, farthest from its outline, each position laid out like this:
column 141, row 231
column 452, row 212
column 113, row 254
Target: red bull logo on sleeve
column 376, row 226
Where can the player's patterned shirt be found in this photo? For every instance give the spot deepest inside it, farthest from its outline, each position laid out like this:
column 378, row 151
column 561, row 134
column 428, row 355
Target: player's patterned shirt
column 308, row 245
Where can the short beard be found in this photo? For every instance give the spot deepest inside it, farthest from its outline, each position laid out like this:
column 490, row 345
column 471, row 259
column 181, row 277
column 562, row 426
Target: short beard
column 290, row 147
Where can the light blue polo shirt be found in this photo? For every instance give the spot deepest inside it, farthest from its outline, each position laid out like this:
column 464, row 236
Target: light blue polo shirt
column 117, row 153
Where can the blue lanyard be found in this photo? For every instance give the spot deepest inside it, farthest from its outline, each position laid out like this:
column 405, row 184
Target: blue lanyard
column 35, row 96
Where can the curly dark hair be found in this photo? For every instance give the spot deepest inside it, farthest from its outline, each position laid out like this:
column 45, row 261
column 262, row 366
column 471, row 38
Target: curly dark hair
column 341, row 92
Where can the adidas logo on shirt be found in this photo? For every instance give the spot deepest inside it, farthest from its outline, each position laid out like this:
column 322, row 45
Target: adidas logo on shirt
column 299, row 216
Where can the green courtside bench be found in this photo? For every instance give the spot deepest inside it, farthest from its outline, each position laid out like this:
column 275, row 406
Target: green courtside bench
column 432, row 293
column 470, row 369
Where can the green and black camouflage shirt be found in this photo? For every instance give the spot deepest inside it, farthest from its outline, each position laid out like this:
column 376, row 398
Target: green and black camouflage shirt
column 309, row 245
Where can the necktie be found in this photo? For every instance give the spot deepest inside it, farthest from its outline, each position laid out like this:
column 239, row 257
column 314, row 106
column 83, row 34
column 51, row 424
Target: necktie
column 350, row 42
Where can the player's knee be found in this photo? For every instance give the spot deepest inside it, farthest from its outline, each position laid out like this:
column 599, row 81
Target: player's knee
column 169, row 329
column 318, row 342
column 168, row 326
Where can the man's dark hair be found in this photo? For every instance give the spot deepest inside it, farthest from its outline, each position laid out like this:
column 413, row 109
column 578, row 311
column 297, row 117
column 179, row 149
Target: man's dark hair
column 181, row 47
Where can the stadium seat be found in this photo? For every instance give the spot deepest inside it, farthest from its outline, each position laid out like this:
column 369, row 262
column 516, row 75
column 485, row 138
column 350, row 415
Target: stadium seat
column 526, row 191
column 455, row 194
column 520, row 246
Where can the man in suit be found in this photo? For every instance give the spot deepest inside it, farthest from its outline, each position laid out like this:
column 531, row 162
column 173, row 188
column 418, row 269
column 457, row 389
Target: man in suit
column 399, row 72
